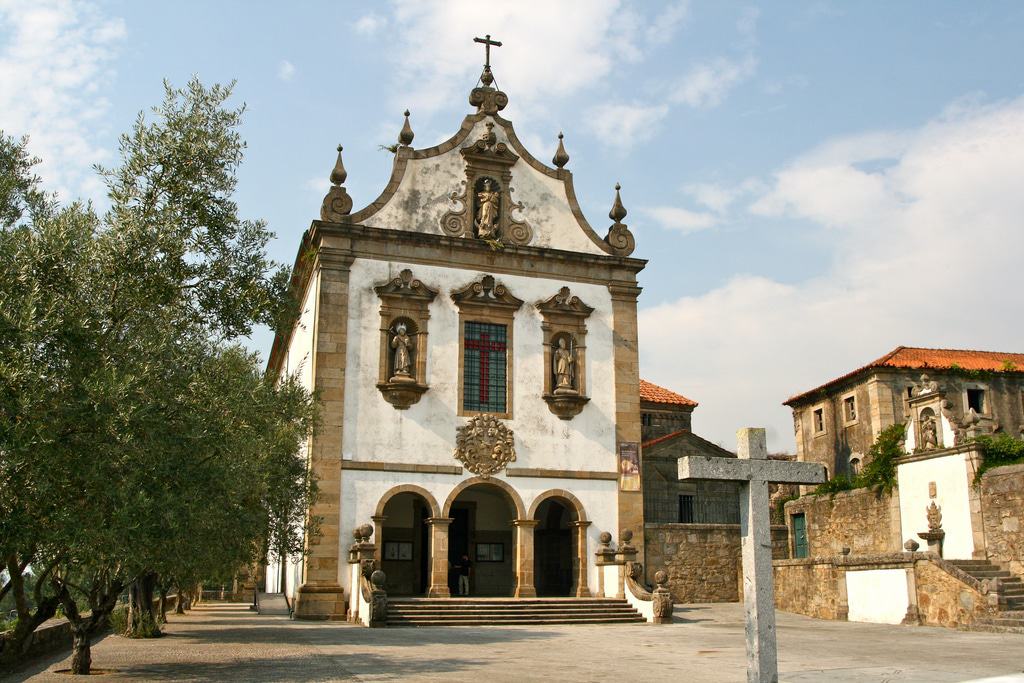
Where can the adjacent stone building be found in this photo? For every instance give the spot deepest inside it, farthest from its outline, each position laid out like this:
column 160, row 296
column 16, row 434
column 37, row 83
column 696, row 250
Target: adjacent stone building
column 981, row 392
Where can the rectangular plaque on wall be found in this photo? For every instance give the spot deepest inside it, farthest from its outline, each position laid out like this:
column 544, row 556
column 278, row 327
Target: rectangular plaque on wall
column 629, row 466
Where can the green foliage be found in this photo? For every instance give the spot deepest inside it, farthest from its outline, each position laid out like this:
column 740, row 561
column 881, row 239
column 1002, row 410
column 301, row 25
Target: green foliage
column 119, row 620
column 838, row 483
column 137, row 438
column 880, row 471
column 780, row 506
column 998, row 450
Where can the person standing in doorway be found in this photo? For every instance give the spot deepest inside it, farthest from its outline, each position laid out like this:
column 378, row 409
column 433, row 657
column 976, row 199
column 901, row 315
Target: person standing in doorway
column 464, row 568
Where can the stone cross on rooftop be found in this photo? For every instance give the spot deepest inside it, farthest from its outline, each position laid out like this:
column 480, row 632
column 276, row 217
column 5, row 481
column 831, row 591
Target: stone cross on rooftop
column 486, row 40
column 753, row 470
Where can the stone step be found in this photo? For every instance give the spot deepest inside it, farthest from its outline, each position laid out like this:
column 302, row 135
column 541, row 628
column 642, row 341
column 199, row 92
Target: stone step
column 498, row 614
column 486, row 605
column 516, row 621
column 272, row 604
column 990, row 574
column 1012, row 614
column 1002, row 621
column 993, row 628
column 506, row 601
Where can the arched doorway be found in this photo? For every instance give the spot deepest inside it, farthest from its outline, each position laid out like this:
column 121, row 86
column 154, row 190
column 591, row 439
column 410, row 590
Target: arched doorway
column 555, row 550
column 405, row 544
column 482, row 530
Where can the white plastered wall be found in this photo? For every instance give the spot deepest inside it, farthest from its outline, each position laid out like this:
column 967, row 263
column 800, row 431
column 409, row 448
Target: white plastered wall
column 952, row 483
column 298, row 360
column 877, row 596
column 425, row 433
column 362, row 490
column 422, row 198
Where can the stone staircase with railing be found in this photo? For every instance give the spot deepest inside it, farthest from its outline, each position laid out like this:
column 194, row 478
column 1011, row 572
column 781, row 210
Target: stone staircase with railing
column 1009, row 590
column 509, row 611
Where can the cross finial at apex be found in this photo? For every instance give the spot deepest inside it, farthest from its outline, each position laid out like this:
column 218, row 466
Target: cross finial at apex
column 487, row 43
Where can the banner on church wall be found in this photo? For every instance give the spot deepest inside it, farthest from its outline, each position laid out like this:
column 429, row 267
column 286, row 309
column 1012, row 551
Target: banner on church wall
column 629, row 466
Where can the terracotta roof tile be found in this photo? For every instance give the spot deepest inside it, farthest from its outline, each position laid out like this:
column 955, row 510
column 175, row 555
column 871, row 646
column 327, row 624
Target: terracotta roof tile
column 662, row 439
column 655, row 394
column 912, row 358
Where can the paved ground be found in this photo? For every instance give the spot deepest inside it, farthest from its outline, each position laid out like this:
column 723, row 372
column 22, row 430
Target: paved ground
column 229, row 643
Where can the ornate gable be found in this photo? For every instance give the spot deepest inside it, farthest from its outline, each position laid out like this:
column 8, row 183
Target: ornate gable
column 482, row 184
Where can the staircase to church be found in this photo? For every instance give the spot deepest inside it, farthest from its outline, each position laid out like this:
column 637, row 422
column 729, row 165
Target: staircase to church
column 1010, row 617
column 509, row 611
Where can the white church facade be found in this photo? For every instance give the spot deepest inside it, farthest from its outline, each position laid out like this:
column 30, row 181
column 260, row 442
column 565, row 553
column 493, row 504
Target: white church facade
column 473, row 342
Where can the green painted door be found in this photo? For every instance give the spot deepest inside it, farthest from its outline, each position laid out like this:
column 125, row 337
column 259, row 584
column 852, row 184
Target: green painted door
column 799, row 535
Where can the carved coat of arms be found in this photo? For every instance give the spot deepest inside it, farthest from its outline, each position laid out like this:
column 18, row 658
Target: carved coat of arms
column 484, row 445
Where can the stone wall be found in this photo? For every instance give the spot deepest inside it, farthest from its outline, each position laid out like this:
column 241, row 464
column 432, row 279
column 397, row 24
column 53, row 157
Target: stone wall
column 808, row 586
column 864, row 521
column 1002, row 502
column 702, row 560
column 943, row 600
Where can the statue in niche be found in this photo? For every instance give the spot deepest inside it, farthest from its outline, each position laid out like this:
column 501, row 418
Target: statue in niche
column 929, row 433
column 402, row 343
column 487, row 211
column 563, row 363
column 927, row 386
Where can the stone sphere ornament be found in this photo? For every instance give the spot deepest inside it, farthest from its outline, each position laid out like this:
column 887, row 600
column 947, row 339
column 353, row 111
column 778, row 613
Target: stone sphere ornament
column 365, row 531
column 660, row 577
column 605, row 537
column 377, row 579
column 626, row 536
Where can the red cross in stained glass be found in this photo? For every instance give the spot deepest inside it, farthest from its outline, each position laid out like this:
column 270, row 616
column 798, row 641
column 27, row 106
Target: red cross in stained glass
column 485, row 346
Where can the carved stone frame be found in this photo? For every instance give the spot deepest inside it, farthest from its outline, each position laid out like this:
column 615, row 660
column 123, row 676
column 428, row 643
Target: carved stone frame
column 404, row 297
column 565, row 314
column 487, row 159
column 486, row 301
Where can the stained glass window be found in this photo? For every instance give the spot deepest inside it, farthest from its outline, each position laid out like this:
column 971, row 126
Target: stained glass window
column 484, row 367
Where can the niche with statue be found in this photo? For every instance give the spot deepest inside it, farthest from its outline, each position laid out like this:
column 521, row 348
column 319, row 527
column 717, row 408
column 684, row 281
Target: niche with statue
column 565, row 353
column 404, row 313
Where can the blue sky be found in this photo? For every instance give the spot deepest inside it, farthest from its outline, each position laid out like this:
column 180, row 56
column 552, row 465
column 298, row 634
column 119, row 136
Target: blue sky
column 814, row 183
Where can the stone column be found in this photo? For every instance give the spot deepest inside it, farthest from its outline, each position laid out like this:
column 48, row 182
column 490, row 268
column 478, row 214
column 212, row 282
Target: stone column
column 524, row 557
column 439, row 557
column 378, row 533
column 913, row 616
column 625, row 557
column 321, row 596
column 582, row 570
column 627, row 400
column 605, row 555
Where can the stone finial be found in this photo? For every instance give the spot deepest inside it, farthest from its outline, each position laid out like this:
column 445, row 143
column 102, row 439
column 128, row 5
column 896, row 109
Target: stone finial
column 605, row 538
column 911, row 545
column 357, row 534
column 378, row 579
column 619, row 238
column 618, row 211
column 365, row 531
column 406, row 136
column 337, row 204
column 561, row 157
column 339, row 174
column 625, row 536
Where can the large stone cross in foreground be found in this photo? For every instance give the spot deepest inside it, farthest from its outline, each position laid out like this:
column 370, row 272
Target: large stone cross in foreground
column 754, row 470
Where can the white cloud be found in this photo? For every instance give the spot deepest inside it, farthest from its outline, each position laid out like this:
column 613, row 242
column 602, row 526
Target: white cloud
column 369, row 24
column 285, row 70
column 719, row 198
column 671, row 18
column 683, row 220
column 706, row 84
column 623, row 125
column 54, row 62
column 924, row 251
column 437, row 62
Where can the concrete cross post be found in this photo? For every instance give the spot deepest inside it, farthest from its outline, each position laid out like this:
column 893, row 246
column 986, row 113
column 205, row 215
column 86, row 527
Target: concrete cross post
column 753, row 470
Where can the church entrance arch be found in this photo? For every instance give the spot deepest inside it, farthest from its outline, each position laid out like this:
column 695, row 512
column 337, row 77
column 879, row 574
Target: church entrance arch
column 556, row 545
column 405, row 541
column 481, row 529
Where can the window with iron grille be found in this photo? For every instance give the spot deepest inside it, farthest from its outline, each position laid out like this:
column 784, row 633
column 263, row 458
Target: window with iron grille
column 485, row 358
column 686, row 509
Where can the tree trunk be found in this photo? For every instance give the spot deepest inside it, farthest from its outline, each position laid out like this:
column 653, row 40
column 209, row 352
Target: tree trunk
column 182, row 599
column 81, row 652
column 142, row 621
column 284, row 573
column 163, row 605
